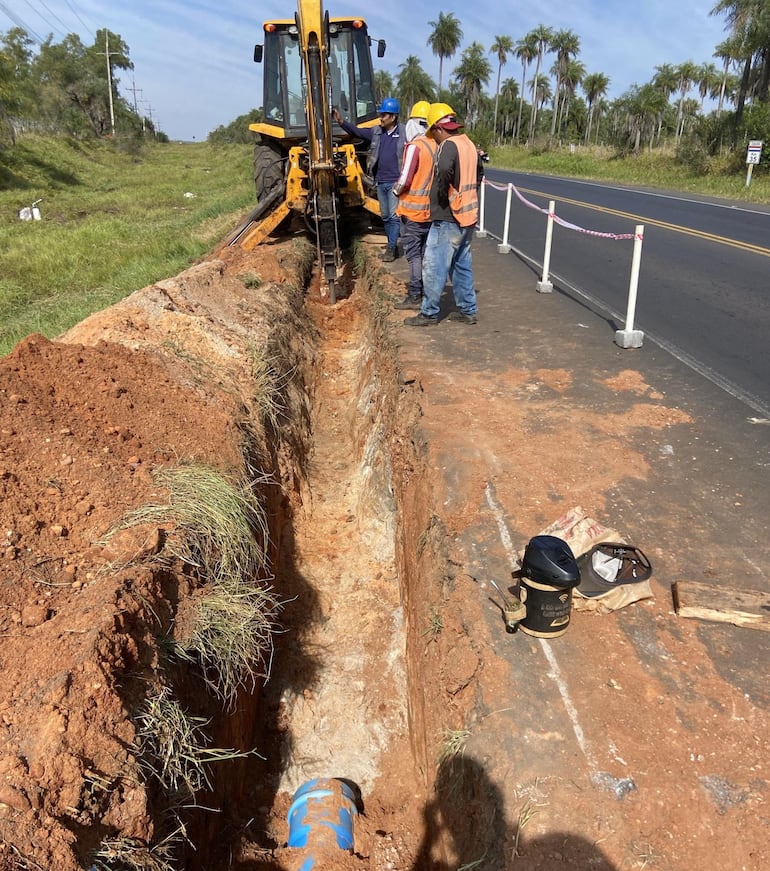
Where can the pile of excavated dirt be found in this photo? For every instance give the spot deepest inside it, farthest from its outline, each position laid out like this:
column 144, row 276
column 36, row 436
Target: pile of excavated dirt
column 167, row 377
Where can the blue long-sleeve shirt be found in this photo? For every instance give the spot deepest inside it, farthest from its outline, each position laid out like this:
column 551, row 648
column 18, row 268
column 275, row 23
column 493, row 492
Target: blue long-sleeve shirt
column 386, row 153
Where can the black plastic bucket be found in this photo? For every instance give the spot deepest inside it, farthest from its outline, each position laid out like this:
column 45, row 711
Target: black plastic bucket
column 549, row 572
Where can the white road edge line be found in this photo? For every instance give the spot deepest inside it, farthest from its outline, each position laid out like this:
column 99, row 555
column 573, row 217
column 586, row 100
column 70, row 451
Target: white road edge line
column 621, row 786
column 555, row 673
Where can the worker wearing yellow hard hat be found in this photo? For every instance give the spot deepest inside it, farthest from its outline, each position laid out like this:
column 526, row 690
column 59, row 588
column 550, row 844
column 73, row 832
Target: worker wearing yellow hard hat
column 454, row 211
column 413, row 192
column 417, row 122
column 437, row 111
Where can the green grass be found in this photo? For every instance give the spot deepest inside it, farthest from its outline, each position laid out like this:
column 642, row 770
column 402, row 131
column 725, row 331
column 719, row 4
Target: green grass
column 113, row 221
column 656, row 169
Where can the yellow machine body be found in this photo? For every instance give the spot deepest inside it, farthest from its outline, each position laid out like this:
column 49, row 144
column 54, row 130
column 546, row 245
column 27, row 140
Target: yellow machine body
column 304, row 163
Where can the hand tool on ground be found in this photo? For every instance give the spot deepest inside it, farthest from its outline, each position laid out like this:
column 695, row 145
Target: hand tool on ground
column 514, row 610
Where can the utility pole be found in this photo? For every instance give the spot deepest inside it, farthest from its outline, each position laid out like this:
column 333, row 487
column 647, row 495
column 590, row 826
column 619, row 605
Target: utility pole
column 144, row 117
column 109, row 79
column 133, row 90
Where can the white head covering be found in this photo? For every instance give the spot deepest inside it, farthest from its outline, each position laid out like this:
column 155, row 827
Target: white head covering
column 415, row 127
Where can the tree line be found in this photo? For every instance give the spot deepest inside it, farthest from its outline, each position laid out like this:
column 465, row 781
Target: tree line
column 66, row 88
column 554, row 99
column 70, row 88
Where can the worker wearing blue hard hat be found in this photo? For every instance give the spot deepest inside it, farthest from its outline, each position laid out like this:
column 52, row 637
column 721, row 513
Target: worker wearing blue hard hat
column 384, row 159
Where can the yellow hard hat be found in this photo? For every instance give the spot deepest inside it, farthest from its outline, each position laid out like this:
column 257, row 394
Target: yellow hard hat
column 420, row 110
column 438, row 111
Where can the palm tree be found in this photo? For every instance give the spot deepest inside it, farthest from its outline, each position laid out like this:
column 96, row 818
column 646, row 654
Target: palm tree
column 665, row 80
column 689, row 110
column 749, row 25
column 708, row 82
column 473, row 72
column 727, row 52
column 414, row 83
column 383, row 85
column 444, row 40
column 542, row 36
column 541, row 88
column 594, row 87
column 687, row 73
column 643, row 107
column 509, row 92
column 501, row 47
column 526, row 52
column 600, row 108
column 566, row 45
column 571, row 79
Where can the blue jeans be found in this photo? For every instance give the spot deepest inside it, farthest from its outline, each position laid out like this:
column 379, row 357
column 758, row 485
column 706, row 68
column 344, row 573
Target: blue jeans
column 414, row 235
column 388, row 204
column 448, row 252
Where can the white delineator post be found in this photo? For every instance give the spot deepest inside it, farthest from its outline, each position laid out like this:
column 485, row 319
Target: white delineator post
column 481, row 232
column 544, row 285
column 629, row 337
column 504, row 247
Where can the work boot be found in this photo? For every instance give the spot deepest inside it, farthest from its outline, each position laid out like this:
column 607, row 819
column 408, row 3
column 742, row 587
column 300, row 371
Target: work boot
column 409, row 302
column 462, row 317
column 420, row 320
column 389, row 255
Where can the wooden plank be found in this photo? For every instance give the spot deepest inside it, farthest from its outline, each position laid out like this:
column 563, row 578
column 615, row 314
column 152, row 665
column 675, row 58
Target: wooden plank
column 749, row 608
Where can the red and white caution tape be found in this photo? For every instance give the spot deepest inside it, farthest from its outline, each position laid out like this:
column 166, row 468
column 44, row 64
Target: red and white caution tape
column 560, row 221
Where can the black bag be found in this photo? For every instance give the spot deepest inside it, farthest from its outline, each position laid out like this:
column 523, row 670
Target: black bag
column 609, row 565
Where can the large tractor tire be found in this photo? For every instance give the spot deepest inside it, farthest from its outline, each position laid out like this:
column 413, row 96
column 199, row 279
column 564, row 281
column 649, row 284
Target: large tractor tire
column 269, row 164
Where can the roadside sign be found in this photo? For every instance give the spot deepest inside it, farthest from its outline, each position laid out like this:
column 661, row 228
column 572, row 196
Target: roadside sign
column 754, row 151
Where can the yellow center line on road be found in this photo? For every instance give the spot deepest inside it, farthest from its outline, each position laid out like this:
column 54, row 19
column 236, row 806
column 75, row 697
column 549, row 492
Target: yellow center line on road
column 688, row 231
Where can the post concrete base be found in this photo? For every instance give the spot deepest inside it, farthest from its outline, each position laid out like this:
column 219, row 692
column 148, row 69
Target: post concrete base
column 629, row 338
column 503, row 248
column 481, row 234
column 544, row 287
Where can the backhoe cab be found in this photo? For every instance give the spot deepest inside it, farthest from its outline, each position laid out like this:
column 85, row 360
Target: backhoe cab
column 302, row 166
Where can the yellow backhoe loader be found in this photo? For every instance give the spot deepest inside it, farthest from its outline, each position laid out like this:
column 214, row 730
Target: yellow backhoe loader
column 304, row 164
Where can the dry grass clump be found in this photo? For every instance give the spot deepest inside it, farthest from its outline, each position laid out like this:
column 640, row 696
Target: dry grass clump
column 215, row 526
column 268, row 385
column 220, row 530
column 131, row 854
column 173, row 747
column 453, row 745
column 232, row 637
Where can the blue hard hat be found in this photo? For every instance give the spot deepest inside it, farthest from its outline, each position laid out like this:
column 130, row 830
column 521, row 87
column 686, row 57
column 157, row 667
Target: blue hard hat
column 390, row 105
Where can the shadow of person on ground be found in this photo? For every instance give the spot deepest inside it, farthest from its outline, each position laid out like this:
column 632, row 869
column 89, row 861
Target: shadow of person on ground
column 464, row 821
column 465, row 827
column 556, row 851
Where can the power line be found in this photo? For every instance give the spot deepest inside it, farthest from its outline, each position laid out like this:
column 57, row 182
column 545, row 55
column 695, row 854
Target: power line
column 77, row 15
column 20, row 23
column 47, row 21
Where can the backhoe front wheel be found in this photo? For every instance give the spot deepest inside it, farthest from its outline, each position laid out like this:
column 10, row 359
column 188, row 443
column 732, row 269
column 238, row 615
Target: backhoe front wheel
column 268, row 168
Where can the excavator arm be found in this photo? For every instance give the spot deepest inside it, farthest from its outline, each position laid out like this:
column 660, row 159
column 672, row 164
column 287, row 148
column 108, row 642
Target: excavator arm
column 313, row 27
column 300, row 168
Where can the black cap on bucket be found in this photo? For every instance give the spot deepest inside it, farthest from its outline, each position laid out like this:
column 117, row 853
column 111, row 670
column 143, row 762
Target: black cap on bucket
column 549, row 560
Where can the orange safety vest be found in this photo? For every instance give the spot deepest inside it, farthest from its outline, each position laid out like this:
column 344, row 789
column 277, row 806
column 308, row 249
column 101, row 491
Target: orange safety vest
column 414, row 203
column 465, row 201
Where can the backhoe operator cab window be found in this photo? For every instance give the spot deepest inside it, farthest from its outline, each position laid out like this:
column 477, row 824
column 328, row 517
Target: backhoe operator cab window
column 285, row 85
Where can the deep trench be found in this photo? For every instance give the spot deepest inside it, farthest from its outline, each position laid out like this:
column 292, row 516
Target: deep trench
column 341, row 693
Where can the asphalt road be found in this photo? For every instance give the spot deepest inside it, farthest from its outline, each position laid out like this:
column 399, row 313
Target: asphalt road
column 704, row 281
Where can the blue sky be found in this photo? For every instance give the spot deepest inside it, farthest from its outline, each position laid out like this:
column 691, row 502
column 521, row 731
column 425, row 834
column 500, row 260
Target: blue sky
column 193, row 59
